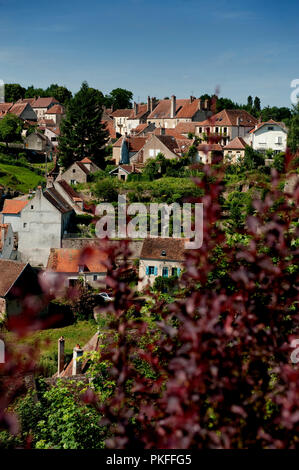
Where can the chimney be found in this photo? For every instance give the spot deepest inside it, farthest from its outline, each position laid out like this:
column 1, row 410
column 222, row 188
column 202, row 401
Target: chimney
column 192, row 98
column 200, row 105
column 173, row 106
column 148, row 103
column 39, row 192
column 207, row 104
column 77, row 362
column 60, row 355
column 50, row 181
column 135, row 108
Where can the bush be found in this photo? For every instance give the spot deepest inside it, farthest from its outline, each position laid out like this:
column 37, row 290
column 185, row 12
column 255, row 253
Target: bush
column 106, row 189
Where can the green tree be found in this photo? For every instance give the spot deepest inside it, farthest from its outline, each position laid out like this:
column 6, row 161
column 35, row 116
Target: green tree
column 252, row 159
column 14, row 92
column 119, row 98
column 61, row 93
column 10, row 129
column 249, row 102
column 257, row 104
column 293, row 136
column 33, row 92
column 82, row 132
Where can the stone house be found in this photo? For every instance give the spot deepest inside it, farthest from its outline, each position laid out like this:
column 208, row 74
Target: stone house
column 52, row 133
column 234, row 151
column 123, row 171
column 79, row 172
column 17, row 281
column 6, row 241
column 74, row 264
column 120, row 118
column 56, row 113
column 269, row 135
column 226, row 125
column 68, row 194
column 169, row 112
column 209, row 153
column 24, row 111
column 38, row 142
column 42, row 105
column 125, row 148
column 169, row 146
column 44, row 221
column 160, row 257
column 11, row 213
column 126, row 120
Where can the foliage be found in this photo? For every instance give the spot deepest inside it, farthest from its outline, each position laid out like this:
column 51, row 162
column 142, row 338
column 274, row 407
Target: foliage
column 82, row 132
column 252, row 158
column 83, row 301
column 10, row 129
column 119, row 98
column 165, row 284
column 14, row 92
column 293, row 135
column 106, row 189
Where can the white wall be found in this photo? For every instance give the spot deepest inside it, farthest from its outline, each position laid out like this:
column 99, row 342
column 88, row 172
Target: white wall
column 264, row 139
column 159, row 264
column 8, row 244
column 14, row 220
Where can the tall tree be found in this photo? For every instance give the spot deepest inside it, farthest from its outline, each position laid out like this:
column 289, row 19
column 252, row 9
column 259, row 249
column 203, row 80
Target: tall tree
column 293, row 136
column 10, row 129
column 257, row 104
column 250, row 102
column 14, row 92
column 82, row 133
column 119, row 98
column 61, row 93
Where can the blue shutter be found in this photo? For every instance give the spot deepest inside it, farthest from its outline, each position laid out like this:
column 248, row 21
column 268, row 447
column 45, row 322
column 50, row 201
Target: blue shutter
column 179, row 271
column 156, row 271
column 147, row 270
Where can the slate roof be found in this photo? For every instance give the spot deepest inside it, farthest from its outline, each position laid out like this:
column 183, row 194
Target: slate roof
column 10, row 272
column 56, row 200
column 13, row 206
column 174, row 249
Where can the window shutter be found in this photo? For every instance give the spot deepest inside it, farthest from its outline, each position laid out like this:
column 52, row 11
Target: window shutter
column 156, row 271
column 147, row 270
column 179, row 271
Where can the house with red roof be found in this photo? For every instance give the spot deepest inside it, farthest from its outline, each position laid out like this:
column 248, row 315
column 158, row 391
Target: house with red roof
column 169, row 112
column 75, row 264
column 234, row 151
column 42, row 105
column 80, row 171
column 270, row 135
column 168, row 145
column 11, row 213
column 21, row 109
column 56, row 113
column 125, row 148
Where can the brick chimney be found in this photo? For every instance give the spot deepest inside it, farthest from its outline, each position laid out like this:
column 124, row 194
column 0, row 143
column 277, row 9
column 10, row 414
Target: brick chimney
column 200, row 105
column 77, row 360
column 60, row 355
column 148, row 103
column 173, row 106
column 135, row 108
column 207, row 104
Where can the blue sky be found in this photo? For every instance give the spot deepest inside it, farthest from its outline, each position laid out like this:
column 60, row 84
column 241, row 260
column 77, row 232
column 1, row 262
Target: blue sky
column 155, row 47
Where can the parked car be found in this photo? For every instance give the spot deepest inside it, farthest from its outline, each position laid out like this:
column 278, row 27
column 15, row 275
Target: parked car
column 105, row 296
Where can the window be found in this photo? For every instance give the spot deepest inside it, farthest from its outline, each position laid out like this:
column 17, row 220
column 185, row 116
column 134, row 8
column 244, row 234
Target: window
column 217, row 130
column 123, row 177
column 175, row 272
column 151, row 153
column 279, row 140
column 81, row 269
column 73, row 181
column 74, row 170
column 151, row 270
column 24, row 225
column 32, row 207
column 163, row 253
column 165, row 272
column 270, row 128
column 95, row 277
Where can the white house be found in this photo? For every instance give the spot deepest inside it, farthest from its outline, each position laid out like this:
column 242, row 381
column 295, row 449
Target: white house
column 269, row 135
column 160, row 257
column 44, row 220
column 11, row 213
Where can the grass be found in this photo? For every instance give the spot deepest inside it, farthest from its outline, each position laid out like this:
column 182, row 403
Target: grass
column 18, row 178
column 79, row 332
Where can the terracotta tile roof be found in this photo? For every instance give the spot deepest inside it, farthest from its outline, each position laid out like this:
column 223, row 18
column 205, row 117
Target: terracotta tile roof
column 68, row 260
column 209, row 147
column 26, row 100
column 44, row 102
column 69, row 190
column 175, row 145
column 174, row 248
column 18, row 108
column 261, row 124
column 229, row 117
column 86, row 160
column 123, row 113
column 47, row 123
column 140, row 128
column 167, row 131
column 56, row 109
column 163, row 109
column 109, row 127
column 134, row 143
column 10, row 272
column 5, row 107
column 186, row 127
column 236, row 144
column 13, row 206
column 57, row 201
column 4, row 231
column 141, row 111
column 189, row 109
